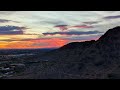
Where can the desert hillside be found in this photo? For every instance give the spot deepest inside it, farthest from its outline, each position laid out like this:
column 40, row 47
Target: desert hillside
column 80, row 60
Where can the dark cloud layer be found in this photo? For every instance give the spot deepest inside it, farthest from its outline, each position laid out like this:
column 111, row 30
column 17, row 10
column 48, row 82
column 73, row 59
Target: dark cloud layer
column 9, row 30
column 5, row 21
column 72, row 33
column 92, row 22
column 62, row 27
column 112, row 17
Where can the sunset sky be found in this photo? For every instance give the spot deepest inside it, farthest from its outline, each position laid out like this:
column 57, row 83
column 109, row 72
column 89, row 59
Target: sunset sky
column 53, row 29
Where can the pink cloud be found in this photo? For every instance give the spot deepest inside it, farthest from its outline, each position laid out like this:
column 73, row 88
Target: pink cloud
column 62, row 27
column 66, row 27
column 81, row 26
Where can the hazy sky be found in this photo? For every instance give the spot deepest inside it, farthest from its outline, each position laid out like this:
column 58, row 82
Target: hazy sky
column 48, row 29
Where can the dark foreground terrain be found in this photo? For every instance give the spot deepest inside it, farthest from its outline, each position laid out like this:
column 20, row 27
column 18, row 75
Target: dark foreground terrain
column 79, row 60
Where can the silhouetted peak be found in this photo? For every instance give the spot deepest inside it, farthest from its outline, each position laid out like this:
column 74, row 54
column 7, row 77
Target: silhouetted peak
column 114, row 30
column 111, row 34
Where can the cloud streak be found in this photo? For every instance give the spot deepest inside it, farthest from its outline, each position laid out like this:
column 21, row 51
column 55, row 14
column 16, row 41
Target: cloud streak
column 81, row 26
column 4, row 20
column 11, row 30
column 112, row 17
column 66, row 27
column 92, row 22
column 61, row 27
column 72, row 33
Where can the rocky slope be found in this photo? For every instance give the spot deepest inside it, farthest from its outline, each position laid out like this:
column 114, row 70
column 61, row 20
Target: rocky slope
column 102, row 60
column 81, row 60
column 68, row 51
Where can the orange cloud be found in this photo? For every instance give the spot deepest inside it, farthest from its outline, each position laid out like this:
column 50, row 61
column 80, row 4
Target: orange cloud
column 37, row 43
column 48, row 43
